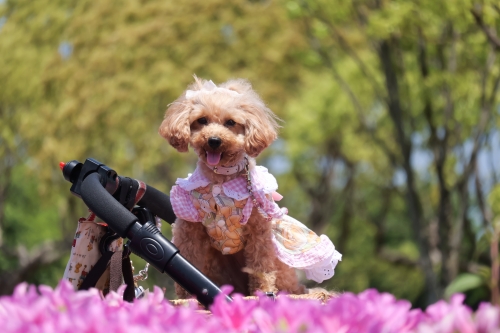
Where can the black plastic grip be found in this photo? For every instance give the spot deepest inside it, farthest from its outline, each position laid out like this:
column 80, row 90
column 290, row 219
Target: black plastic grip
column 192, row 280
column 148, row 243
column 158, row 203
column 105, row 206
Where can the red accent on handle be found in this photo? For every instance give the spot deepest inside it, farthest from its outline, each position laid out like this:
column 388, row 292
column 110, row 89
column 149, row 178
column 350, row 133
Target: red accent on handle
column 61, row 165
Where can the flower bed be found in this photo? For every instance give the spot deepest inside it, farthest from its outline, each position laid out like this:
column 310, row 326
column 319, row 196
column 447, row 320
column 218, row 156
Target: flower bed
column 63, row 310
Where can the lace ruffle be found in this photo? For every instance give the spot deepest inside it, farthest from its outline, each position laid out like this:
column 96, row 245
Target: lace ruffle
column 325, row 269
column 193, row 181
column 262, row 180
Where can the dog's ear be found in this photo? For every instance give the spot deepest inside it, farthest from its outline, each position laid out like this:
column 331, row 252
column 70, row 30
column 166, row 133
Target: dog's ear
column 175, row 127
column 261, row 128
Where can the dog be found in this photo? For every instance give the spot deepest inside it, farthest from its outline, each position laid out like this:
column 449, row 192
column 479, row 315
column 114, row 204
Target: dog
column 228, row 224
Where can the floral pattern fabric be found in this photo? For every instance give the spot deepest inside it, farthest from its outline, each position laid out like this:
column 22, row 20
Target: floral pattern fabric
column 85, row 253
column 221, row 216
column 225, row 208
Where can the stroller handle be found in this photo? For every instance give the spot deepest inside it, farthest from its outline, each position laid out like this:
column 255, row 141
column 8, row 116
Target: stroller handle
column 145, row 240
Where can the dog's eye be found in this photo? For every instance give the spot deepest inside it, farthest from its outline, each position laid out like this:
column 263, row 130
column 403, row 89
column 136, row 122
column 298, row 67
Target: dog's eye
column 202, row 121
column 230, row 123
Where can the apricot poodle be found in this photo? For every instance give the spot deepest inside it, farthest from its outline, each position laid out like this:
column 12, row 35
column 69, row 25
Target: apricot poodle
column 228, row 224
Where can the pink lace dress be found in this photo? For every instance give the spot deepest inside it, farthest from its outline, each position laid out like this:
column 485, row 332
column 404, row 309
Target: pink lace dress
column 225, row 208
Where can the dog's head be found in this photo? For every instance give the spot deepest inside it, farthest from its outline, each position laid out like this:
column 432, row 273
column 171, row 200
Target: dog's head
column 222, row 123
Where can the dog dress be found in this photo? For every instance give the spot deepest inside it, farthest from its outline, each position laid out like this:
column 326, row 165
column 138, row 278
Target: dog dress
column 225, row 208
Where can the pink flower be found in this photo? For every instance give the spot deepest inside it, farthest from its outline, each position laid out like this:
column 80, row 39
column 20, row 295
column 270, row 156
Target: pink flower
column 370, row 311
column 449, row 317
column 63, row 310
column 487, row 318
column 233, row 315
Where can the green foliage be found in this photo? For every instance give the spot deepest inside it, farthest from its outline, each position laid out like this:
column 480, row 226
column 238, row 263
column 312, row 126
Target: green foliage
column 138, row 59
column 27, row 218
column 494, row 200
column 464, row 282
column 28, row 221
column 85, row 79
column 397, row 81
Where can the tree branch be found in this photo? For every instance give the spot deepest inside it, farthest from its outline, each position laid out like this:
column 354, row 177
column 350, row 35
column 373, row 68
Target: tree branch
column 345, row 218
column 379, row 219
column 412, row 199
column 484, row 119
column 353, row 54
column 488, row 31
column 439, row 147
column 30, row 261
column 485, row 213
column 315, row 45
column 461, row 184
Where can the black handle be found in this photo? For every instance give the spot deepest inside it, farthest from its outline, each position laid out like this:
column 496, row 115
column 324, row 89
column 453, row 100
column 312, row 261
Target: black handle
column 159, row 203
column 105, row 206
column 147, row 241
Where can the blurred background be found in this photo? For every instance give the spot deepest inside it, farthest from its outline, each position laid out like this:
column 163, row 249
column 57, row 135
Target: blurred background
column 390, row 142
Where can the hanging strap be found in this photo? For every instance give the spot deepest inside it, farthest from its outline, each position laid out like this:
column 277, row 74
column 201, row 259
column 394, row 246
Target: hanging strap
column 128, row 278
column 96, row 272
column 119, row 266
column 119, row 261
column 115, row 270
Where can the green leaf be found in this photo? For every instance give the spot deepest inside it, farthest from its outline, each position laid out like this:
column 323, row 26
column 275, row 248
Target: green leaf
column 463, row 283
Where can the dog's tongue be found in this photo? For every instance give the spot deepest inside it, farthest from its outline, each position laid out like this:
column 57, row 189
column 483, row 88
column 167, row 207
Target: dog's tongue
column 213, row 158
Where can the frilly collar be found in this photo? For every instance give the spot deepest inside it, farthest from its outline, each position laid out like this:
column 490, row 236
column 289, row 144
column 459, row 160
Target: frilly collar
column 262, row 180
column 193, row 181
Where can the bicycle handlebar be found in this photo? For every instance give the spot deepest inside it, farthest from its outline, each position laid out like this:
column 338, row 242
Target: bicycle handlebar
column 146, row 240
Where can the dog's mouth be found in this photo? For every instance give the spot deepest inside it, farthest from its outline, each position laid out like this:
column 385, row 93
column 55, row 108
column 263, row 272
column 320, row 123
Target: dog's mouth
column 213, row 157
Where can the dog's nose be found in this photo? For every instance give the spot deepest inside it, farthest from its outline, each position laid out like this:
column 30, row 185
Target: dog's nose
column 214, row 142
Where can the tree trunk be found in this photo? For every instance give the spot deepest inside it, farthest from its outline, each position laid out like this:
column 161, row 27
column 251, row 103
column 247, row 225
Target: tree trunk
column 433, row 290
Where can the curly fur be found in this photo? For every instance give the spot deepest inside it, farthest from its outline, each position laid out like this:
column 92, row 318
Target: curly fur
column 256, row 267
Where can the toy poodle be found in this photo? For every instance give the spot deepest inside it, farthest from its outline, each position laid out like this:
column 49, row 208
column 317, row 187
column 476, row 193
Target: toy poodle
column 228, row 223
